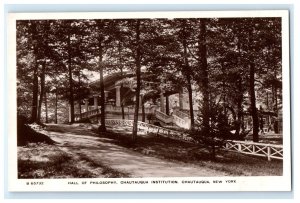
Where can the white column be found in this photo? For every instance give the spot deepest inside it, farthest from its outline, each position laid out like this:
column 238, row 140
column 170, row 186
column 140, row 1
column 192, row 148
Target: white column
column 105, row 94
column 118, row 97
column 86, row 105
column 69, row 113
column 95, row 101
column 140, row 103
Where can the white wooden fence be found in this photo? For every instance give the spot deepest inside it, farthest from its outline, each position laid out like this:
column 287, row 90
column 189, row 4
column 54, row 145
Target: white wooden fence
column 258, row 149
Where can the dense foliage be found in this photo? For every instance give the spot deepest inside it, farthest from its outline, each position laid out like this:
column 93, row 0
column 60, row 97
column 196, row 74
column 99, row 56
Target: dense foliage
column 234, row 64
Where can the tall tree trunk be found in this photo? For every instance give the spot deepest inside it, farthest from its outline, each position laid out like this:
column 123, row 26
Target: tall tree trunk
column 138, row 81
column 187, row 72
column 70, row 77
column 79, row 100
column 253, row 104
column 42, row 93
column 167, row 105
column 121, row 89
column 240, row 122
column 190, row 93
column 35, row 94
column 35, row 81
column 55, row 112
column 143, row 110
column 239, row 118
column 80, row 110
column 102, row 127
column 122, row 106
column 276, row 127
column 46, row 107
column 204, row 75
column 254, row 113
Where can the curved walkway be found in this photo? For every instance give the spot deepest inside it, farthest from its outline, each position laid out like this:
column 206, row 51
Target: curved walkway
column 81, row 142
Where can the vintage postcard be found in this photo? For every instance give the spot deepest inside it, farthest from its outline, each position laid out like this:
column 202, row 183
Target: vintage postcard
column 149, row 101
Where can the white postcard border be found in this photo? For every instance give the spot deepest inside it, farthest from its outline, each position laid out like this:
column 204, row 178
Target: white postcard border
column 262, row 183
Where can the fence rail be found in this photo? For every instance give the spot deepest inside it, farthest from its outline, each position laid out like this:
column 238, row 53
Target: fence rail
column 258, row 149
column 163, row 117
column 108, row 109
column 118, row 109
column 183, row 123
column 152, row 129
column 87, row 114
column 180, row 114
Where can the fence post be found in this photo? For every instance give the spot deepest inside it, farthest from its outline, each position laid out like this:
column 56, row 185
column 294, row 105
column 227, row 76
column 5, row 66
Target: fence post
column 239, row 147
column 269, row 153
column 226, row 145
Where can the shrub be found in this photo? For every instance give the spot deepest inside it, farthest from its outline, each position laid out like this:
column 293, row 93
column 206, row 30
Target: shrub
column 213, row 137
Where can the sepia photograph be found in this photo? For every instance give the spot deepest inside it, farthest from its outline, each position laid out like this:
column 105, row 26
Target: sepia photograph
column 150, row 101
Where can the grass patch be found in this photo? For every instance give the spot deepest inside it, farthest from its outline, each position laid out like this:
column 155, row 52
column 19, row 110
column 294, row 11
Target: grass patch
column 238, row 164
column 45, row 161
column 37, row 161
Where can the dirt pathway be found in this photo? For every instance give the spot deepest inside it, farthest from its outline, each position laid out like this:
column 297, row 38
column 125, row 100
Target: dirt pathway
column 86, row 145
